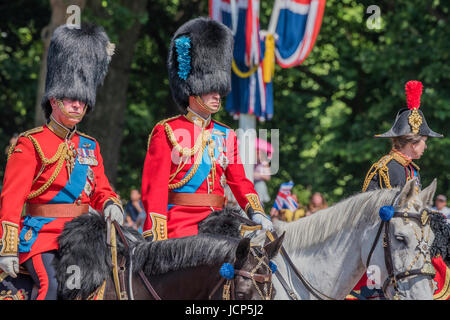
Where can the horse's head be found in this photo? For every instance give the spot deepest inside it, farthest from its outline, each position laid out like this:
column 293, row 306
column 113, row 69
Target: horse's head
column 404, row 259
column 253, row 270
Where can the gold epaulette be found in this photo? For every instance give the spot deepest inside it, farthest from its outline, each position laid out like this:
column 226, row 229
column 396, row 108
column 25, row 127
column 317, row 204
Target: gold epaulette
column 85, row 135
column 24, row 134
column 162, row 122
column 415, row 166
column 380, row 168
column 32, row 131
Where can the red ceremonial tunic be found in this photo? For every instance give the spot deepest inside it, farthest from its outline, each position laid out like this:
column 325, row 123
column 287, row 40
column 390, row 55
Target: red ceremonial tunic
column 26, row 180
column 220, row 165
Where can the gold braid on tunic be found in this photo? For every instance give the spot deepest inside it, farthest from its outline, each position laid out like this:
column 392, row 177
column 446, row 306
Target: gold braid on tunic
column 380, row 168
column 60, row 156
column 203, row 140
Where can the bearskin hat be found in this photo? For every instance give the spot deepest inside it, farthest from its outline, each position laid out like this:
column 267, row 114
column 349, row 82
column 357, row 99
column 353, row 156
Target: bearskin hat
column 199, row 62
column 410, row 119
column 77, row 63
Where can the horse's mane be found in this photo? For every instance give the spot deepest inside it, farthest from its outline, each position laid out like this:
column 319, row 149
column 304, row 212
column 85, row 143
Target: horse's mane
column 441, row 242
column 353, row 212
column 83, row 248
column 179, row 253
column 83, row 245
column 223, row 222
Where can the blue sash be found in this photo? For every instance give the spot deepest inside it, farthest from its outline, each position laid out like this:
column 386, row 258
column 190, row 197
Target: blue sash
column 72, row 190
column 205, row 166
column 31, row 225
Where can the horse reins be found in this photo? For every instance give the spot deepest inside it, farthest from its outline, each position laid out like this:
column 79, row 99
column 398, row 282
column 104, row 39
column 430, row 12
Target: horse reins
column 315, row 292
column 119, row 275
column 272, row 236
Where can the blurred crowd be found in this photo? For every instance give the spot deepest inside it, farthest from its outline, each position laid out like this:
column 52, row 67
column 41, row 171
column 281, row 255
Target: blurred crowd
column 316, row 202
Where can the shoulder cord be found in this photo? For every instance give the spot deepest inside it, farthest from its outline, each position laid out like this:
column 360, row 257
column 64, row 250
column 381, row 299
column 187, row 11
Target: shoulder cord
column 202, row 141
column 380, row 168
column 59, row 156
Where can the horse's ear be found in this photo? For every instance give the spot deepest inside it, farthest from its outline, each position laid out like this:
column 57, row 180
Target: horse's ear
column 273, row 247
column 242, row 251
column 427, row 194
column 407, row 193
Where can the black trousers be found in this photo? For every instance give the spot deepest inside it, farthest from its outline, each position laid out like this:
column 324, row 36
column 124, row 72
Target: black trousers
column 43, row 274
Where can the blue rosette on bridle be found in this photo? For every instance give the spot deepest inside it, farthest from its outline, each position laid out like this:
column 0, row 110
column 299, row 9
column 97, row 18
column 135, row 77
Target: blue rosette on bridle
column 386, row 213
column 227, row 271
column 273, row 267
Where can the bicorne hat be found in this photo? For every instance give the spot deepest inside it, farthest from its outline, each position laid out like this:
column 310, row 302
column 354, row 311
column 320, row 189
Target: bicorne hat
column 411, row 119
column 199, row 62
column 77, row 63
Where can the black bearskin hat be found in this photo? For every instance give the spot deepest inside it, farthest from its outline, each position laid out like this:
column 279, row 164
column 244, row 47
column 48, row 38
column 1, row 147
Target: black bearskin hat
column 411, row 119
column 77, row 63
column 199, row 62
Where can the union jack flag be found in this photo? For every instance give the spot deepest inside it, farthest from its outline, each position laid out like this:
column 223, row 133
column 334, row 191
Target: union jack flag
column 250, row 94
column 297, row 26
column 284, row 198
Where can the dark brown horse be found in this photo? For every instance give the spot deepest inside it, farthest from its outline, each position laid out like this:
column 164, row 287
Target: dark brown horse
column 182, row 268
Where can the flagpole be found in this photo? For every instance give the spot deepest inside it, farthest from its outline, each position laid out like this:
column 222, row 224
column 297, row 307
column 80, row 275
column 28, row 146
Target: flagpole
column 247, row 143
column 274, row 17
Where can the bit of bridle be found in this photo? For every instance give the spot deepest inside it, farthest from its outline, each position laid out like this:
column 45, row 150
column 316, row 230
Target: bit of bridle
column 265, row 279
column 422, row 248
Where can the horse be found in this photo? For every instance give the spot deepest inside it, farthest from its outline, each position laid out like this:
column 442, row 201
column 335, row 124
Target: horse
column 180, row 268
column 334, row 247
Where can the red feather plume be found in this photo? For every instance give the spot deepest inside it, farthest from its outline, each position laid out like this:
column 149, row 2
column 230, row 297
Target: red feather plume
column 413, row 92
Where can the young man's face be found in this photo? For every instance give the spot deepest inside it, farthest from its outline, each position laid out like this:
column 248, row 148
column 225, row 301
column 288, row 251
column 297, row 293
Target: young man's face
column 212, row 100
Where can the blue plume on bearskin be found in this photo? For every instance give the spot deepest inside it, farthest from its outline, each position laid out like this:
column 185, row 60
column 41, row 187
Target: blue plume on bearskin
column 183, row 44
column 210, row 54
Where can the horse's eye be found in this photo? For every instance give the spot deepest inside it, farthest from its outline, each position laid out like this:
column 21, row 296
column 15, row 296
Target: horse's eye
column 400, row 238
column 240, row 295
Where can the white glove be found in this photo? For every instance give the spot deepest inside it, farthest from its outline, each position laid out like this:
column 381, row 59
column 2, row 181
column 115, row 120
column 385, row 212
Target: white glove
column 263, row 220
column 10, row 265
column 114, row 212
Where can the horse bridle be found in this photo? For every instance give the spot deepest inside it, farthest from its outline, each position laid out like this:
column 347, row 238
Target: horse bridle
column 228, row 287
column 422, row 248
column 123, row 291
column 265, row 279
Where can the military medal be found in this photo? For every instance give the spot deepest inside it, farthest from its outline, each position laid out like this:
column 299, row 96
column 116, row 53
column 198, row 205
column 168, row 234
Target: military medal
column 87, row 156
column 223, row 161
column 88, row 188
column 223, row 180
column 90, row 174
